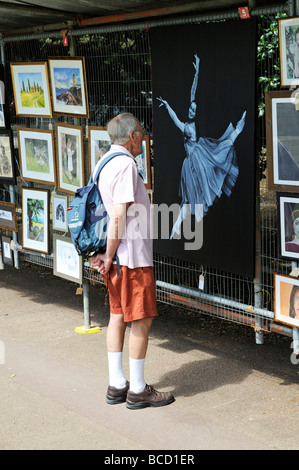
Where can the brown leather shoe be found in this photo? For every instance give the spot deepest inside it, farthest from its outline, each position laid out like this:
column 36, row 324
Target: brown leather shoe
column 116, row 395
column 148, row 397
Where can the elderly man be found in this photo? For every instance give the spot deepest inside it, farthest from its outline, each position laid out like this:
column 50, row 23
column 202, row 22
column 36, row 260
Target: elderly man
column 132, row 292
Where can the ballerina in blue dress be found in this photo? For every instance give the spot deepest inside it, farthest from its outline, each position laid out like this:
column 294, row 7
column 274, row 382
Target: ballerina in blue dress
column 210, row 167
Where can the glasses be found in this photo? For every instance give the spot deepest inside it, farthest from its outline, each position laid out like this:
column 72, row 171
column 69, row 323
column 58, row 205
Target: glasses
column 140, row 130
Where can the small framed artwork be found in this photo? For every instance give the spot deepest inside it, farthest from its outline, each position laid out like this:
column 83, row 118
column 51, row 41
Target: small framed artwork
column 67, row 263
column 7, row 252
column 59, row 208
column 31, row 89
column 3, row 110
column 35, row 219
column 36, row 153
column 286, row 303
column 98, row 144
column 282, row 138
column 288, row 30
column 144, row 163
column 69, row 154
column 7, row 166
column 69, row 86
column 288, row 210
column 8, row 216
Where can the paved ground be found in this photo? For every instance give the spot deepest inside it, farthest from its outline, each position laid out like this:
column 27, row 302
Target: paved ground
column 230, row 393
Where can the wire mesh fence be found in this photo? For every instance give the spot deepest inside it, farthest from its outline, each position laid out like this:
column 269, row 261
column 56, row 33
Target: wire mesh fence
column 118, row 67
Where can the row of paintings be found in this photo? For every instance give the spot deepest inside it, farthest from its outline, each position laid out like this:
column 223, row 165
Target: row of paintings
column 62, row 78
column 282, row 139
column 36, row 229
column 67, row 263
column 62, row 165
column 36, row 217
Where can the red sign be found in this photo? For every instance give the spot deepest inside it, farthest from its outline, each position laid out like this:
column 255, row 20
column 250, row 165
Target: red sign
column 244, row 13
column 65, row 41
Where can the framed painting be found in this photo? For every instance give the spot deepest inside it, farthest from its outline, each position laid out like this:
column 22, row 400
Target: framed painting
column 282, row 138
column 36, row 155
column 7, row 253
column 8, row 216
column 59, row 208
column 7, row 166
column 288, row 212
column 35, row 218
column 67, row 263
column 2, row 106
column 288, row 30
column 144, row 163
column 98, row 144
column 286, row 302
column 69, row 154
column 68, row 86
column 31, row 89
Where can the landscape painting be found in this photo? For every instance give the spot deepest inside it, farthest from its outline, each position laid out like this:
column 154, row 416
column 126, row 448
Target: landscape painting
column 35, row 223
column 68, row 84
column 31, row 89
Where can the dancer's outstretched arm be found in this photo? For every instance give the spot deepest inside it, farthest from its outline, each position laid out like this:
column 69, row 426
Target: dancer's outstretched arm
column 172, row 114
column 195, row 79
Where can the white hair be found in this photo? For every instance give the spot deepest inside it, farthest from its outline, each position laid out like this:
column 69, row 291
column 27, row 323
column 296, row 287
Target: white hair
column 120, row 127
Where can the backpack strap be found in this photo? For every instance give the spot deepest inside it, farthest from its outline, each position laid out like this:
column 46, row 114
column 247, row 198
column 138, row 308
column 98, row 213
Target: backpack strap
column 103, row 163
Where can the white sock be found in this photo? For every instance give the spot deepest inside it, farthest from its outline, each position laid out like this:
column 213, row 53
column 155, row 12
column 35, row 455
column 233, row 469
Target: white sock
column 137, row 382
column 116, row 374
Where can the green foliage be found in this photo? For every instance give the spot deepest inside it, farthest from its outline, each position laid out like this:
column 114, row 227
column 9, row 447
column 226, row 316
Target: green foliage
column 268, row 57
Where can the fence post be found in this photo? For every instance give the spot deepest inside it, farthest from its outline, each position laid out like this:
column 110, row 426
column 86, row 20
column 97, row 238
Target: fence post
column 259, row 333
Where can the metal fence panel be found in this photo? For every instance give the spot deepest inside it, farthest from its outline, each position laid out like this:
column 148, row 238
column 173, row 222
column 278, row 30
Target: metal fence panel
column 118, row 64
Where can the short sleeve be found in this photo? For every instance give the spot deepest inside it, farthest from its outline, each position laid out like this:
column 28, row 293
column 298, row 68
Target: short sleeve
column 124, row 184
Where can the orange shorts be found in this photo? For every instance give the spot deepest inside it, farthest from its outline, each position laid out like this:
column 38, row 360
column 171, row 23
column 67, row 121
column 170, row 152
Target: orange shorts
column 133, row 293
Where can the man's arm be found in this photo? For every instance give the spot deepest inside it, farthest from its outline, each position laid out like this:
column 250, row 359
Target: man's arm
column 117, row 224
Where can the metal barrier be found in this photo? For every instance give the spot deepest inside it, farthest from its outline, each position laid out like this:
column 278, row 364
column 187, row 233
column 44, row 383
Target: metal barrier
column 118, row 64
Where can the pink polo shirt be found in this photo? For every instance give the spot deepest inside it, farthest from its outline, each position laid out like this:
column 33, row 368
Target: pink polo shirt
column 120, row 183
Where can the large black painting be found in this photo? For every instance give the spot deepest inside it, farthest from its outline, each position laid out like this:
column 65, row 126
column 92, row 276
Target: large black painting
column 204, row 142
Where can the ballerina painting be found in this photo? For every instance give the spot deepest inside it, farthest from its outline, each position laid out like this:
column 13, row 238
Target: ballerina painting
column 210, row 166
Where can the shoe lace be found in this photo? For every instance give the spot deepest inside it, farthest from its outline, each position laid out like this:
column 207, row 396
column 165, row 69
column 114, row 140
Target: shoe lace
column 151, row 389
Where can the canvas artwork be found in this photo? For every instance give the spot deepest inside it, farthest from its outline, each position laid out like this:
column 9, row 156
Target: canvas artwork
column 7, row 252
column 7, row 170
column 37, row 158
column 282, row 137
column 288, row 224
column 286, row 305
column 2, row 105
column 59, row 208
column 289, row 51
column 143, row 163
column 35, row 219
column 31, row 89
column 67, row 263
column 8, row 216
column 98, row 144
column 68, row 84
column 204, row 143
column 69, row 142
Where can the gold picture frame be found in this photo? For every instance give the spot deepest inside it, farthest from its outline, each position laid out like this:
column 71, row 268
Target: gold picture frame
column 70, row 157
column 31, row 89
column 68, row 86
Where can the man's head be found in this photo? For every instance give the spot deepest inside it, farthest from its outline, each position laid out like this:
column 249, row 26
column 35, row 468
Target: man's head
column 125, row 129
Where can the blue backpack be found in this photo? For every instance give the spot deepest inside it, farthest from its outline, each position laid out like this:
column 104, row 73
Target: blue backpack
column 87, row 218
